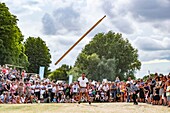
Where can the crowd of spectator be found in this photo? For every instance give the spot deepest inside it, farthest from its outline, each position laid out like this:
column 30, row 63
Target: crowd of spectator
column 19, row 87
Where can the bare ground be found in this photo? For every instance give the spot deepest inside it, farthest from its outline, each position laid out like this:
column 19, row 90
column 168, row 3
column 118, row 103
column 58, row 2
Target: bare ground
column 83, row 108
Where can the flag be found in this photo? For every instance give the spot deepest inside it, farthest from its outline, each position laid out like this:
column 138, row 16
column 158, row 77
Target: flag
column 70, row 79
column 41, row 72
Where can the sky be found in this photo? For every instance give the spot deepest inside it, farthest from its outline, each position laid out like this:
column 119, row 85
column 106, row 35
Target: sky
column 145, row 23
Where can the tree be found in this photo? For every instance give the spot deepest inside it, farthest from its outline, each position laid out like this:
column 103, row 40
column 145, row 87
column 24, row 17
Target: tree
column 61, row 73
column 146, row 77
column 11, row 38
column 106, row 69
column 114, row 56
column 38, row 54
column 75, row 72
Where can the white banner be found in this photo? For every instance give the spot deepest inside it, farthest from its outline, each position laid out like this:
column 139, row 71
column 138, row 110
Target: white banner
column 41, row 72
column 70, row 79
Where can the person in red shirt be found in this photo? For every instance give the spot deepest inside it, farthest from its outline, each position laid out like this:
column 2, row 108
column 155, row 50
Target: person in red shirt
column 4, row 70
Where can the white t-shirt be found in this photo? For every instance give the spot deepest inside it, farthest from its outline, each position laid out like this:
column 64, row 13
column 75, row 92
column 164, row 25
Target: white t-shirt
column 60, row 89
column 42, row 89
column 105, row 88
column 100, row 87
column 49, row 87
column 37, row 88
column 83, row 82
column 32, row 88
column 75, row 88
column 54, row 89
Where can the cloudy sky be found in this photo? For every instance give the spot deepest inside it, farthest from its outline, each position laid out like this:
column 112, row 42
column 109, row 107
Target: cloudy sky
column 146, row 23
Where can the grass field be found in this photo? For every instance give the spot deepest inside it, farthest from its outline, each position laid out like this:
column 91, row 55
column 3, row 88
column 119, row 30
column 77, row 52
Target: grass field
column 83, row 108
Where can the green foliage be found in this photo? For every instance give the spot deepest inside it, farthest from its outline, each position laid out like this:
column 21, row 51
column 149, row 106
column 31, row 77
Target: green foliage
column 146, row 77
column 106, row 69
column 38, row 54
column 11, row 38
column 75, row 72
column 107, row 56
column 61, row 73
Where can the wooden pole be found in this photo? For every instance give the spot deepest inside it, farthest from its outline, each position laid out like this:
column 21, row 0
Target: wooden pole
column 79, row 40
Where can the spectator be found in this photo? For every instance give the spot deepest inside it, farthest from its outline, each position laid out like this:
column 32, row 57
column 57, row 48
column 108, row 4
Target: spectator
column 1, row 86
column 117, row 80
column 37, row 90
column 168, row 93
column 31, row 90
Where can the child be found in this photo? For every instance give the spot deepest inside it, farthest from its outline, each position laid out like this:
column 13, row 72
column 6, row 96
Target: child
column 97, row 97
column 106, row 98
column 22, row 99
column 102, row 96
column 18, row 100
column 55, row 99
column 62, row 98
column 35, row 99
column 2, row 98
column 13, row 99
column 168, row 93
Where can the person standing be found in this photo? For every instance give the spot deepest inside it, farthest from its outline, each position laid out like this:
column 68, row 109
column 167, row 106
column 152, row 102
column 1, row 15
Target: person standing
column 84, row 87
column 135, row 91
column 168, row 92
column 37, row 90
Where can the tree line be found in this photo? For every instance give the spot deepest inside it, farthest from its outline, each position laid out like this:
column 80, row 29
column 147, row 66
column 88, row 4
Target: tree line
column 107, row 55
column 13, row 50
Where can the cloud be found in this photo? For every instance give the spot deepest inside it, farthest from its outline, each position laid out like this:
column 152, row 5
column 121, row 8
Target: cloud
column 63, row 20
column 68, row 18
column 32, row 2
column 108, row 7
column 153, row 12
column 48, row 25
column 21, row 7
column 154, row 55
column 124, row 26
column 153, row 48
column 148, row 44
column 150, row 10
column 156, row 61
column 151, row 44
column 118, row 15
column 66, row 42
column 154, row 67
column 163, row 26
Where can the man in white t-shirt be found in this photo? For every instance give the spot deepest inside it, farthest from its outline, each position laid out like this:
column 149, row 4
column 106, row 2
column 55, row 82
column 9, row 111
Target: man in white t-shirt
column 83, row 85
column 75, row 88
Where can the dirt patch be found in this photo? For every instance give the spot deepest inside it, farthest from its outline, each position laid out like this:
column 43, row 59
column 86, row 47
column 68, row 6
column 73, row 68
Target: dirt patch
column 84, row 108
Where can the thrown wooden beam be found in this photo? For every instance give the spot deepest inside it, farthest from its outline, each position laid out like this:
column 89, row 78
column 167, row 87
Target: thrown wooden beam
column 79, row 40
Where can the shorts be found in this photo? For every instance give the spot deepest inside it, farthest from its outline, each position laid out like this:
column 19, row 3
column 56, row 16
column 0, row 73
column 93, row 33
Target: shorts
column 168, row 98
column 156, row 98
column 161, row 91
column 83, row 90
